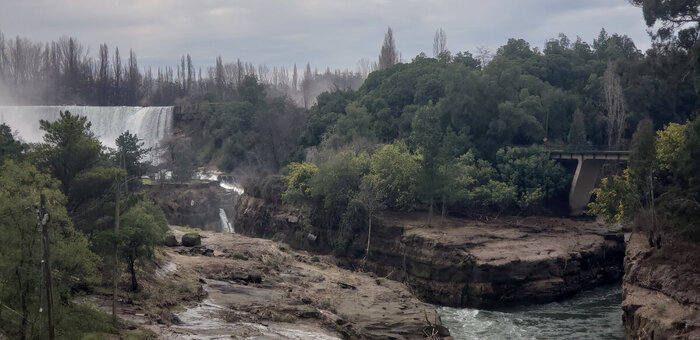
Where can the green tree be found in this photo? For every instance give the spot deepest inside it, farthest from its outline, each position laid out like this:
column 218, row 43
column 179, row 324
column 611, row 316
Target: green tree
column 328, row 108
column 297, row 182
column 130, row 156
column 396, row 171
column 141, row 229
column 495, row 195
column 355, row 123
column 427, row 138
column 669, row 141
column 338, row 180
column 642, row 162
column 577, row 131
column 9, row 147
column 179, row 157
column 615, row 199
column 661, row 180
column 251, row 91
column 20, row 273
column 674, row 15
column 530, row 170
column 372, row 198
column 684, row 203
column 69, row 148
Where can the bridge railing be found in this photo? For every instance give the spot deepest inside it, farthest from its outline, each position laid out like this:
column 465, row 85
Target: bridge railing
column 584, row 148
column 561, row 148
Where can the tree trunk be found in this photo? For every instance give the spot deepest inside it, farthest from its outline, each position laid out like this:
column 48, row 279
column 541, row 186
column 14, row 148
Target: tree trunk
column 23, row 307
column 430, row 212
column 444, row 207
column 369, row 234
column 132, row 270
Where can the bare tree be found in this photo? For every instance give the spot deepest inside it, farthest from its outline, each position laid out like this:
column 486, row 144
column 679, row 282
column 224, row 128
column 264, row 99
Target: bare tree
column 219, row 78
column 483, row 55
column 190, row 74
column 372, row 198
column 306, row 85
column 117, row 76
column 295, row 78
column 388, row 56
column 133, row 80
column 614, row 104
column 3, row 57
column 103, row 79
column 439, row 43
column 364, row 67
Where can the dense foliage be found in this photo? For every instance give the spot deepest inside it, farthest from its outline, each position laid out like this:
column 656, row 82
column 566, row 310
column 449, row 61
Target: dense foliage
column 21, row 285
column 254, row 132
column 470, row 136
column 79, row 179
column 660, row 190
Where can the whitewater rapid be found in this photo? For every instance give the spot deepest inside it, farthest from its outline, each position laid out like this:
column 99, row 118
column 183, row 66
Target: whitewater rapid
column 594, row 314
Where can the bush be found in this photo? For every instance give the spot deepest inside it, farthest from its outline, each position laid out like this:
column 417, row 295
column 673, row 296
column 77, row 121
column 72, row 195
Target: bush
column 353, row 221
column 297, row 181
column 269, row 188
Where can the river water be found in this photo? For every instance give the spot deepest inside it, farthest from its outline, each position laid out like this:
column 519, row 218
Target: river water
column 594, row 314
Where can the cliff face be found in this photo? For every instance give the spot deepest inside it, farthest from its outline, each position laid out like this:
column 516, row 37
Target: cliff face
column 193, row 205
column 661, row 290
column 465, row 263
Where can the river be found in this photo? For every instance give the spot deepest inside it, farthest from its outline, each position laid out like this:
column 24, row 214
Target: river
column 594, row 314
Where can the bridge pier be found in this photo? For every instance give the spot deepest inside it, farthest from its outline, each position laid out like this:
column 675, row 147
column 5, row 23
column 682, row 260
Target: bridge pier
column 584, row 181
column 587, row 171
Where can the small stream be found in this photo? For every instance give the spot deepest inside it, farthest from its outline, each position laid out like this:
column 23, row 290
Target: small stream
column 594, row 314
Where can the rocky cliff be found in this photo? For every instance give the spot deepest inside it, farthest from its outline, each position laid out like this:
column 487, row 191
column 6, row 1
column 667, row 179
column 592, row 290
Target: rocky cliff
column 661, row 289
column 193, row 205
column 460, row 262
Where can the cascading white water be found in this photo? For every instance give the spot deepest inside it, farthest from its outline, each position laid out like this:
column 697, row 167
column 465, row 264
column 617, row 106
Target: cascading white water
column 151, row 124
column 226, row 225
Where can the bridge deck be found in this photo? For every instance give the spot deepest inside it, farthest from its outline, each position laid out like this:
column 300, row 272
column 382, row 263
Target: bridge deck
column 585, row 155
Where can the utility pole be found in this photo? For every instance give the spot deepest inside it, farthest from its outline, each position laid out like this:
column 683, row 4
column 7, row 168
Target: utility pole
column 123, row 166
column 116, row 251
column 43, row 219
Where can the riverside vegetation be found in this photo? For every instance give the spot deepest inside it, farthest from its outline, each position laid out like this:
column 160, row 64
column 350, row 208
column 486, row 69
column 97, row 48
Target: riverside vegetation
column 461, row 133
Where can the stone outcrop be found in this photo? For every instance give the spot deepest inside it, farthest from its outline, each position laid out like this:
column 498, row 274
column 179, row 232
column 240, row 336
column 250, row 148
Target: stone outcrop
column 191, row 240
column 193, row 205
column 460, row 262
column 661, row 289
column 256, row 286
column 170, row 240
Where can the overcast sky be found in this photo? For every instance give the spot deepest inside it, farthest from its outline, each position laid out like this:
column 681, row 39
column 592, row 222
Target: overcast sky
column 335, row 33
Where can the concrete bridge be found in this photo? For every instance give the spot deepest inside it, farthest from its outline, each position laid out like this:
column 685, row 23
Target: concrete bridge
column 588, row 169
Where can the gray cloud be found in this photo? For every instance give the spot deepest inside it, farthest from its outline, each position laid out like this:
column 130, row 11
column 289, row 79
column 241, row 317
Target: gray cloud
column 335, row 33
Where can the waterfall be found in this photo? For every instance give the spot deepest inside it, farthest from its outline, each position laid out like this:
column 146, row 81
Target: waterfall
column 150, row 124
column 226, row 225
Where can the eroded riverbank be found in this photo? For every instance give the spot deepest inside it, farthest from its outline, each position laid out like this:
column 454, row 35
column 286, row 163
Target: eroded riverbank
column 661, row 289
column 462, row 262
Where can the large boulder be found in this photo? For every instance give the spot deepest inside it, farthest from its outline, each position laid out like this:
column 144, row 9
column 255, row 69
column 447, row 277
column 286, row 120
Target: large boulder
column 191, row 240
column 170, row 240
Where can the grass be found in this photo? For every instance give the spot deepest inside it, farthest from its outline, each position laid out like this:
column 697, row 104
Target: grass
column 189, row 230
column 78, row 321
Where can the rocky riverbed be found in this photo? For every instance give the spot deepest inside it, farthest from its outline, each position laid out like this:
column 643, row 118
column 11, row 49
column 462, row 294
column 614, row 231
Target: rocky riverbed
column 260, row 289
column 462, row 262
